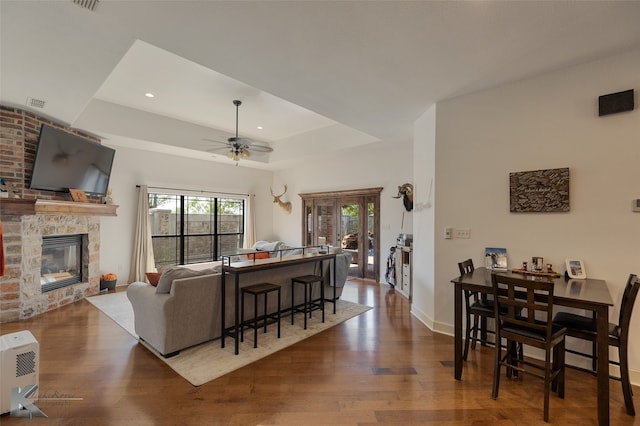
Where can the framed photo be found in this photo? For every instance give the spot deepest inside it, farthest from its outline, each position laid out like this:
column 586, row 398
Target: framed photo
column 537, row 264
column 78, row 195
column 495, row 258
column 575, row 268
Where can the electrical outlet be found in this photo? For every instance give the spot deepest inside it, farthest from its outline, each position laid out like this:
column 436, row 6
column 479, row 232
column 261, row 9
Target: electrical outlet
column 462, row 233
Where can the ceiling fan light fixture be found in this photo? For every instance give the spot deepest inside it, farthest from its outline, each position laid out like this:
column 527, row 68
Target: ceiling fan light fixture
column 240, row 148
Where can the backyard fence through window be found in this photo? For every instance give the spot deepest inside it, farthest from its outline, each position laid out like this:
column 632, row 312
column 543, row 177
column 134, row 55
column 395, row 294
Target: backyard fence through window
column 194, row 229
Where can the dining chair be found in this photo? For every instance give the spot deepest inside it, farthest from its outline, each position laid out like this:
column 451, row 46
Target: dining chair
column 584, row 327
column 512, row 296
column 480, row 307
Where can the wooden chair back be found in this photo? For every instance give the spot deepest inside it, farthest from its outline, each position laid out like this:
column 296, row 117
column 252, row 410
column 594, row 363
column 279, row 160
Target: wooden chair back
column 524, row 304
column 628, row 300
column 466, row 267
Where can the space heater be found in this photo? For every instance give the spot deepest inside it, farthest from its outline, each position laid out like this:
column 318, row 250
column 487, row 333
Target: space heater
column 19, row 359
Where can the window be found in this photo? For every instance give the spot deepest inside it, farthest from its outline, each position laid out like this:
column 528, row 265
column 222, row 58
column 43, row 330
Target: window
column 194, row 229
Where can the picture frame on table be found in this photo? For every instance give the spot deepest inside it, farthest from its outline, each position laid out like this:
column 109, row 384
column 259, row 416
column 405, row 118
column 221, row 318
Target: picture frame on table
column 495, row 258
column 575, row 268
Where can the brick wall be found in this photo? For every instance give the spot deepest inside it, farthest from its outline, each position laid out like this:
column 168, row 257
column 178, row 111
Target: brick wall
column 20, row 294
column 19, row 130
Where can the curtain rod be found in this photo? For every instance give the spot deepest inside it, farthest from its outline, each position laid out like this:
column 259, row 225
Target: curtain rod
column 195, row 190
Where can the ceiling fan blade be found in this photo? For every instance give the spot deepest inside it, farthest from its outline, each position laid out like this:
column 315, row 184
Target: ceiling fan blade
column 225, row 143
column 217, row 149
column 260, row 148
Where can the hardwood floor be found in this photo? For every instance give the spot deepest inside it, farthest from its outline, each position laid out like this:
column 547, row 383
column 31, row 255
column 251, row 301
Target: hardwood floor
column 383, row 366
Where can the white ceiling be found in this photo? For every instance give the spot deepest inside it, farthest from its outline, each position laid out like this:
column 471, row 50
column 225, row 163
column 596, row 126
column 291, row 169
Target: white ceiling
column 319, row 76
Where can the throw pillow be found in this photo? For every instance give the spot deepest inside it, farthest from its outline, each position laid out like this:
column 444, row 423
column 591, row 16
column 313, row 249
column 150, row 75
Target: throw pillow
column 153, row 278
column 267, row 246
column 178, row 272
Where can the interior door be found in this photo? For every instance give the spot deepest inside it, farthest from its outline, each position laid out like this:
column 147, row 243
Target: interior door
column 351, row 235
column 349, row 220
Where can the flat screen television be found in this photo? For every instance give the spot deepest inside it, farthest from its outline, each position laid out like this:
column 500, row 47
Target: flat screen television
column 65, row 161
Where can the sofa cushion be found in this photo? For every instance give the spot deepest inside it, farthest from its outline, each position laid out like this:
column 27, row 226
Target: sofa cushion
column 267, row 246
column 185, row 271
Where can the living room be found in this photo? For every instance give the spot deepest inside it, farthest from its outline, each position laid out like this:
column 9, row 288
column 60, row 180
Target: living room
column 458, row 155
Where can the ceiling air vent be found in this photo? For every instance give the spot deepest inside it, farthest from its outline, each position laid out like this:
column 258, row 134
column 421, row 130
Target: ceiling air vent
column 87, row 4
column 36, row 103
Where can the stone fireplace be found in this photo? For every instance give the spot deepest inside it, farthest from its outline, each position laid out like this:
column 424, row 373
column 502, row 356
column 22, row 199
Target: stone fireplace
column 22, row 290
column 36, row 215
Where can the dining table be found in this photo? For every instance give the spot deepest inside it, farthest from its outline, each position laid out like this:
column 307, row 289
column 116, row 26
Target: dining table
column 589, row 294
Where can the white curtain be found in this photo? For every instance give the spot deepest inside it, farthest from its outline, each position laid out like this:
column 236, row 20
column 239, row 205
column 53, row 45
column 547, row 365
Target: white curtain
column 250, row 226
column 142, row 260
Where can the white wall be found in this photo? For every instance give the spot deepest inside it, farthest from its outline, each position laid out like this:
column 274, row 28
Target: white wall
column 424, row 288
column 135, row 167
column 548, row 121
column 386, row 165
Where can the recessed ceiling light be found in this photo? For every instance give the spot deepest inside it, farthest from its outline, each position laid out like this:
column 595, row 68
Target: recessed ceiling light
column 150, row 95
column 259, row 127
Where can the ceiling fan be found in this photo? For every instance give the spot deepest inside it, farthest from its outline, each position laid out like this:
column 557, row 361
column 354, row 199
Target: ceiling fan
column 238, row 148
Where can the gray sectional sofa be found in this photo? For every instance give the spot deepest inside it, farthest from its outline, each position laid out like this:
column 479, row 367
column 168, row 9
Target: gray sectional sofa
column 183, row 310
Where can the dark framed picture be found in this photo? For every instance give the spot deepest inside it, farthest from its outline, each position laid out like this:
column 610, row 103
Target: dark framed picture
column 539, row 191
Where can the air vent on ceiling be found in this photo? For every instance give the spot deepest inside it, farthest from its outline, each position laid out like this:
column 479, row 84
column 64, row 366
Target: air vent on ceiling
column 87, row 4
column 36, row 103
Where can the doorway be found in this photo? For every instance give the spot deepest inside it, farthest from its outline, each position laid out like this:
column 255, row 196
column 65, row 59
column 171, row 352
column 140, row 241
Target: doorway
column 349, row 220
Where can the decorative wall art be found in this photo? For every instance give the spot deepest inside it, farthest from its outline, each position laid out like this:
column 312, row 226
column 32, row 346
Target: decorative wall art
column 539, row 191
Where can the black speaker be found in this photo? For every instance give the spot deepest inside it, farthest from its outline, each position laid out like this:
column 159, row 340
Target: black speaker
column 614, row 103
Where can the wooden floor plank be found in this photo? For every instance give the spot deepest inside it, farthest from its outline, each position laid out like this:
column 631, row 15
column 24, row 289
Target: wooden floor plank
column 382, row 367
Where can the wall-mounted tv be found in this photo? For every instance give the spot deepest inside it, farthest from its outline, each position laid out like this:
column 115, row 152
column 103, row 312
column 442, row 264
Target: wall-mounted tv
column 65, row 161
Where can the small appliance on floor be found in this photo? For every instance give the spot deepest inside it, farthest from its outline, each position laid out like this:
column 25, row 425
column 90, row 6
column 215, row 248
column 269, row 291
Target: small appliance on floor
column 19, row 359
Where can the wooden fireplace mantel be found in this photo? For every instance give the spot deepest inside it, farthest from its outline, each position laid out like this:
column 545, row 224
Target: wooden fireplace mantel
column 17, row 207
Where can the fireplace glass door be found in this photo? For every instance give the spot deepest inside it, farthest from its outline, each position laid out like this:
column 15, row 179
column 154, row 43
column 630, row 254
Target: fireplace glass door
column 61, row 261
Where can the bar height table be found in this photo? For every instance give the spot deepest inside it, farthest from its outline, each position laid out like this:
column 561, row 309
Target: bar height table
column 238, row 268
column 588, row 294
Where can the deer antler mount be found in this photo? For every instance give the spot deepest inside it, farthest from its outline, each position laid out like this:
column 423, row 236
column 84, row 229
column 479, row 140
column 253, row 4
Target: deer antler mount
column 284, row 205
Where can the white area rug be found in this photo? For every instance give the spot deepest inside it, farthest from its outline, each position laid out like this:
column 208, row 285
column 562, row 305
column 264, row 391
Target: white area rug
column 208, row 361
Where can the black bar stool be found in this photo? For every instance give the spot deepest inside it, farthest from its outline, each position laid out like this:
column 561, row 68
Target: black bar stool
column 309, row 304
column 256, row 290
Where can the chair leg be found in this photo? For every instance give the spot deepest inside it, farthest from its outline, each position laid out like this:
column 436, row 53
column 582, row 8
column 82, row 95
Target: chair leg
column 496, row 372
column 561, row 366
column 512, row 351
column 483, row 331
column 547, row 383
column 467, row 339
column 624, row 378
column 266, row 296
column 293, row 306
column 255, row 320
column 476, row 326
column 558, row 365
